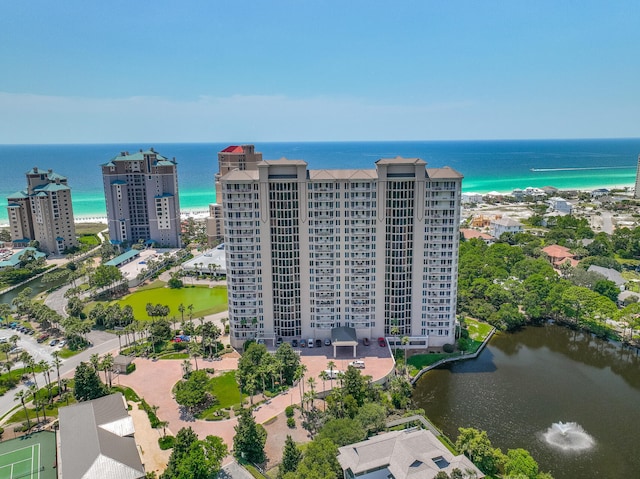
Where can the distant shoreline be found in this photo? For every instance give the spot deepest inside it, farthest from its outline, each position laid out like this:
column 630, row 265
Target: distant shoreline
column 196, row 213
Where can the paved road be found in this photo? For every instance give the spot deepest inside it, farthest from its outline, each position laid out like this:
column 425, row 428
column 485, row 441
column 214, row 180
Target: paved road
column 103, row 344
column 607, row 224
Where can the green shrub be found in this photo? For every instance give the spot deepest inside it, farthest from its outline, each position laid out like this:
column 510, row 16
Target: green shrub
column 131, row 368
column 464, row 333
column 289, row 411
column 448, row 348
column 153, row 419
column 1, row 431
column 291, row 422
column 166, row 442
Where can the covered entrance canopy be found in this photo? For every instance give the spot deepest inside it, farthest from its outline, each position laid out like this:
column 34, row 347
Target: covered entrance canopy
column 344, row 336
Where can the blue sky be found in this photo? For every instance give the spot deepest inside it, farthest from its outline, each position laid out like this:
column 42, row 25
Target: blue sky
column 296, row 70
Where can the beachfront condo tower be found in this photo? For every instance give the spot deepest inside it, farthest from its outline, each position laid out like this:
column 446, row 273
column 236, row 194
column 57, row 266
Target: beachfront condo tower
column 141, row 192
column 233, row 157
column 636, row 193
column 43, row 212
column 369, row 253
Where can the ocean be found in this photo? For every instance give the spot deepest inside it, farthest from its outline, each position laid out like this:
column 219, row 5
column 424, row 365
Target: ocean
column 486, row 165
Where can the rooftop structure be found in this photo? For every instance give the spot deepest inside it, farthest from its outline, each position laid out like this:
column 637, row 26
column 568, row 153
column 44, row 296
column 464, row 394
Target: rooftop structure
column 403, row 454
column 232, row 158
column 43, row 212
column 499, row 226
column 311, row 250
column 96, row 440
column 141, row 193
column 14, row 260
column 611, row 275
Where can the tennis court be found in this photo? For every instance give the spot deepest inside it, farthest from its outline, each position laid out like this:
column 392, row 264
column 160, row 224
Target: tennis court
column 29, row 457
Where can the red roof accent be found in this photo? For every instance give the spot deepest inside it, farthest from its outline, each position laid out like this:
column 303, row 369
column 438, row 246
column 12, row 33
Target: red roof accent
column 233, row 149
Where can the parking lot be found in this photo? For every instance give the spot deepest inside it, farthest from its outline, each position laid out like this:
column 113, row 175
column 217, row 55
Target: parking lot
column 28, row 343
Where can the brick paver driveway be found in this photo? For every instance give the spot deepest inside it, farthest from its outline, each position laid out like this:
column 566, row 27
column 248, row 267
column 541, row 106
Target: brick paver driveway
column 154, row 380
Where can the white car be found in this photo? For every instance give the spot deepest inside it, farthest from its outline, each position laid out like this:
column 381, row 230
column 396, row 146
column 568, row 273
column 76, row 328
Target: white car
column 357, row 364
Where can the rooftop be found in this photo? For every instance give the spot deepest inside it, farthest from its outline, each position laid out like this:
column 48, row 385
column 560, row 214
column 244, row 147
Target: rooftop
column 96, row 440
column 404, row 454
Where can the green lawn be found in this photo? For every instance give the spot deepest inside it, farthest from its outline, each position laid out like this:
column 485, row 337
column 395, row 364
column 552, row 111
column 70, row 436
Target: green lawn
column 225, row 389
column 478, row 331
column 205, row 300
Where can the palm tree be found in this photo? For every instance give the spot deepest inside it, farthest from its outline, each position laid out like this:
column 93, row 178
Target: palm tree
column 323, row 376
column 57, row 363
column 66, row 396
column 5, row 348
column 405, row 342
column 299, row 376
column 22, row 396
column 163, row 425
column 195, row 350
column 186, row 367
column 8, row 365
column 331, row 365
column 14, row 339
column 181, row 308
column 250, row 386
column 46, row 369
column 107, row 366
column 95, row 361
column 224, row 322
column 33, row 389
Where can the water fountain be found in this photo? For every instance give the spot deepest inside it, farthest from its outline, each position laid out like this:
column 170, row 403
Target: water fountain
column 568, row 436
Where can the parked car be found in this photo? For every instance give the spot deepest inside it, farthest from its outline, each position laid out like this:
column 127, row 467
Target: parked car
column 382, row 342
column 333, row 374
column 42, row 338
column 327, row 342
column 62, row 343
column 365, row 341
column 260, row 341
column 53, row 342
column 294, row 343
column 279, row 341
column 357, row 364
column 310, row 343
column 303, row 343
column 318, row 343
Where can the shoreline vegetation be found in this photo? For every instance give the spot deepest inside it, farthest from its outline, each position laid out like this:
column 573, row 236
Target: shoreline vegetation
column 202, row 211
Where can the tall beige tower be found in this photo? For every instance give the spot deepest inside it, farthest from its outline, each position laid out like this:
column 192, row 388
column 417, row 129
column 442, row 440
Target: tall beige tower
column 636, row 193
column 43, row 212
column 231, row 158
column 310, row 251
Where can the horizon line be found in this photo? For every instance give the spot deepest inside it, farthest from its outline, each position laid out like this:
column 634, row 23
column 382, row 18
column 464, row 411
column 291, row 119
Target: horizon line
column 468, row 140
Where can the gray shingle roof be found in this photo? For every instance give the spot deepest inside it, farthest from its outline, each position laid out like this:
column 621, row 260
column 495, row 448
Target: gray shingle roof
column 96, row 441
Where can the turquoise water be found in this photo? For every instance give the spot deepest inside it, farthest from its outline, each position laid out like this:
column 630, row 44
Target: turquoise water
column 486, row 165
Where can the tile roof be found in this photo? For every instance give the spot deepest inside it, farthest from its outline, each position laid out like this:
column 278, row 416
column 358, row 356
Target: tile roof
column 233, row 149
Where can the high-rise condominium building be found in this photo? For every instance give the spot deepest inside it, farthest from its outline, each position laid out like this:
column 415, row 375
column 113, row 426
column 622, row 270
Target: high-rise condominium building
column 43, row 212
column 636, row 193
column 141, row 191
column 311, row 250
column 231, row 158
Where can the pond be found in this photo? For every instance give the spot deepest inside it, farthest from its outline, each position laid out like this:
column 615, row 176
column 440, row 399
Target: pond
column 37, row 286
column 571, row 399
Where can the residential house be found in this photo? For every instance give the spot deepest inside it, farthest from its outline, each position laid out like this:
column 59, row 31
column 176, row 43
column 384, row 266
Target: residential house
column 410, row 453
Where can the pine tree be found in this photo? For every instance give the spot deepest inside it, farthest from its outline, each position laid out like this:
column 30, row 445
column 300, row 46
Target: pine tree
column 87, row 383
column 249, row 439
column 291, row 457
